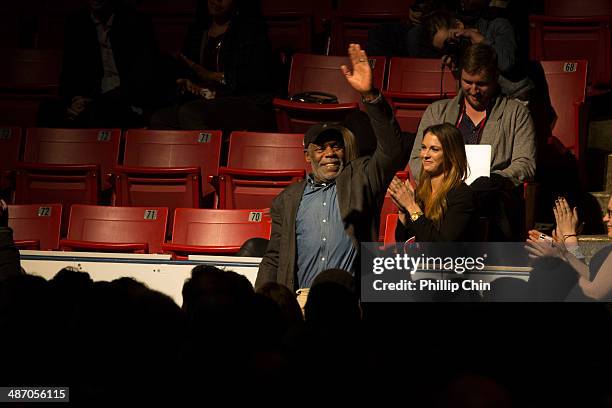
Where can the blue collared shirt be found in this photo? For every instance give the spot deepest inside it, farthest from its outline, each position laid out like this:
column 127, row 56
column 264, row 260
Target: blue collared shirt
column 322, row 242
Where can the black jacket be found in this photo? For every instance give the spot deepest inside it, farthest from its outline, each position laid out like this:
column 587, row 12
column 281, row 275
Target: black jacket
column 459, row 222
column 361, row 188
column 134, row 49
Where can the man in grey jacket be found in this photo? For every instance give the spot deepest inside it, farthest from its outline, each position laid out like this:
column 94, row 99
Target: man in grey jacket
column 319, row 223
column 484, row 116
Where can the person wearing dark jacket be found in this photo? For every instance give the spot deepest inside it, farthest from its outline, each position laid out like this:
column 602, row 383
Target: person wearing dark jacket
column 319, row 223
column 227, row 76
column 442, row 208
column 109, row 69
column 9, row 255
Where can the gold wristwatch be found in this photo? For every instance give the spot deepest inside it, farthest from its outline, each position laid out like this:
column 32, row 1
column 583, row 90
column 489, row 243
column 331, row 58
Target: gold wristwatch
column 415, row 215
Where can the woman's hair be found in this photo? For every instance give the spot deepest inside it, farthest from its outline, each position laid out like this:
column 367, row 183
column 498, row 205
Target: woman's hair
column 438, row 20
column 454, row 168
column 351, row 150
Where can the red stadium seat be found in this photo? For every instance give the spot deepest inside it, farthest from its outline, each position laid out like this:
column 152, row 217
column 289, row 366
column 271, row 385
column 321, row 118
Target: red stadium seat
column 573, row 8
column 320, row 73
column 413, row 84
column 66, row 165
column 572, row 38
column 10, row 146
column 420, row 78
column 260, row 165
column 170, row 20
column 206, row 231
column 354, row 18
column 170, row 30
column 168, row 168
column 390, row 223
column 36, row 226
column 27, row 77
column 74, row 147
column 34, row 71
column 290, row 24
column 388, row 206
column 116, row 229
column 567, row 88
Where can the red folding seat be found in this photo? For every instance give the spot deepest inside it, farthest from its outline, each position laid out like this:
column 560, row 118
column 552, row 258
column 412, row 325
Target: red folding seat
column 573, row 8
column 27, row 77
column 390, row 223
column 413, row 84
column 290, row 24
column 10, row 146
column 567, row 89
column 170, row 21
column 572, row 38
column 36, row 226
column 116, row 229
column 208, row 231
column 260, row 165
column 320, row 73
column 388, row 206
column 354, row 18
column 66, row 165
column 168, row 168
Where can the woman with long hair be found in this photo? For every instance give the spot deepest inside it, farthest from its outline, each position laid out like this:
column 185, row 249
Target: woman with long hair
column 442, row 207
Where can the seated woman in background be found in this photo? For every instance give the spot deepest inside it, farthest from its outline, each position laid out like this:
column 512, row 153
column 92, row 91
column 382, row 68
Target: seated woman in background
column 227, row 76
column 595, row 279
column 442, row 208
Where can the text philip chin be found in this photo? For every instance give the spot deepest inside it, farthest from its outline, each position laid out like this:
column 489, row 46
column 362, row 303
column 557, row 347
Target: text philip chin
column 446, row 285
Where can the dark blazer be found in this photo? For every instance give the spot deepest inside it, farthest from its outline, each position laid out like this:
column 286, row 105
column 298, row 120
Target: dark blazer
column 458, row 224
column 361, row 189
column 134, row 49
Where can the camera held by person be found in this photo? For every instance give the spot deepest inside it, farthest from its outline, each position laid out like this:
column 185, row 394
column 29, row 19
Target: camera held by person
column 453, row 49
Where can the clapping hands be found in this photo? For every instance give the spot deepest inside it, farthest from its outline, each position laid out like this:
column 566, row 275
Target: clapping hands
column 539, row 245
column 402, row 194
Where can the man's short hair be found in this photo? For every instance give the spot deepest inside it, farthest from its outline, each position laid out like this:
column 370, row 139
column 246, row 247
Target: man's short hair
column 479, row 58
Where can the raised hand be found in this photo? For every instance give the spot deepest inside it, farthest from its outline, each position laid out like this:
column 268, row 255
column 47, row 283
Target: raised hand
column 566, row 218
column 360, row 76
